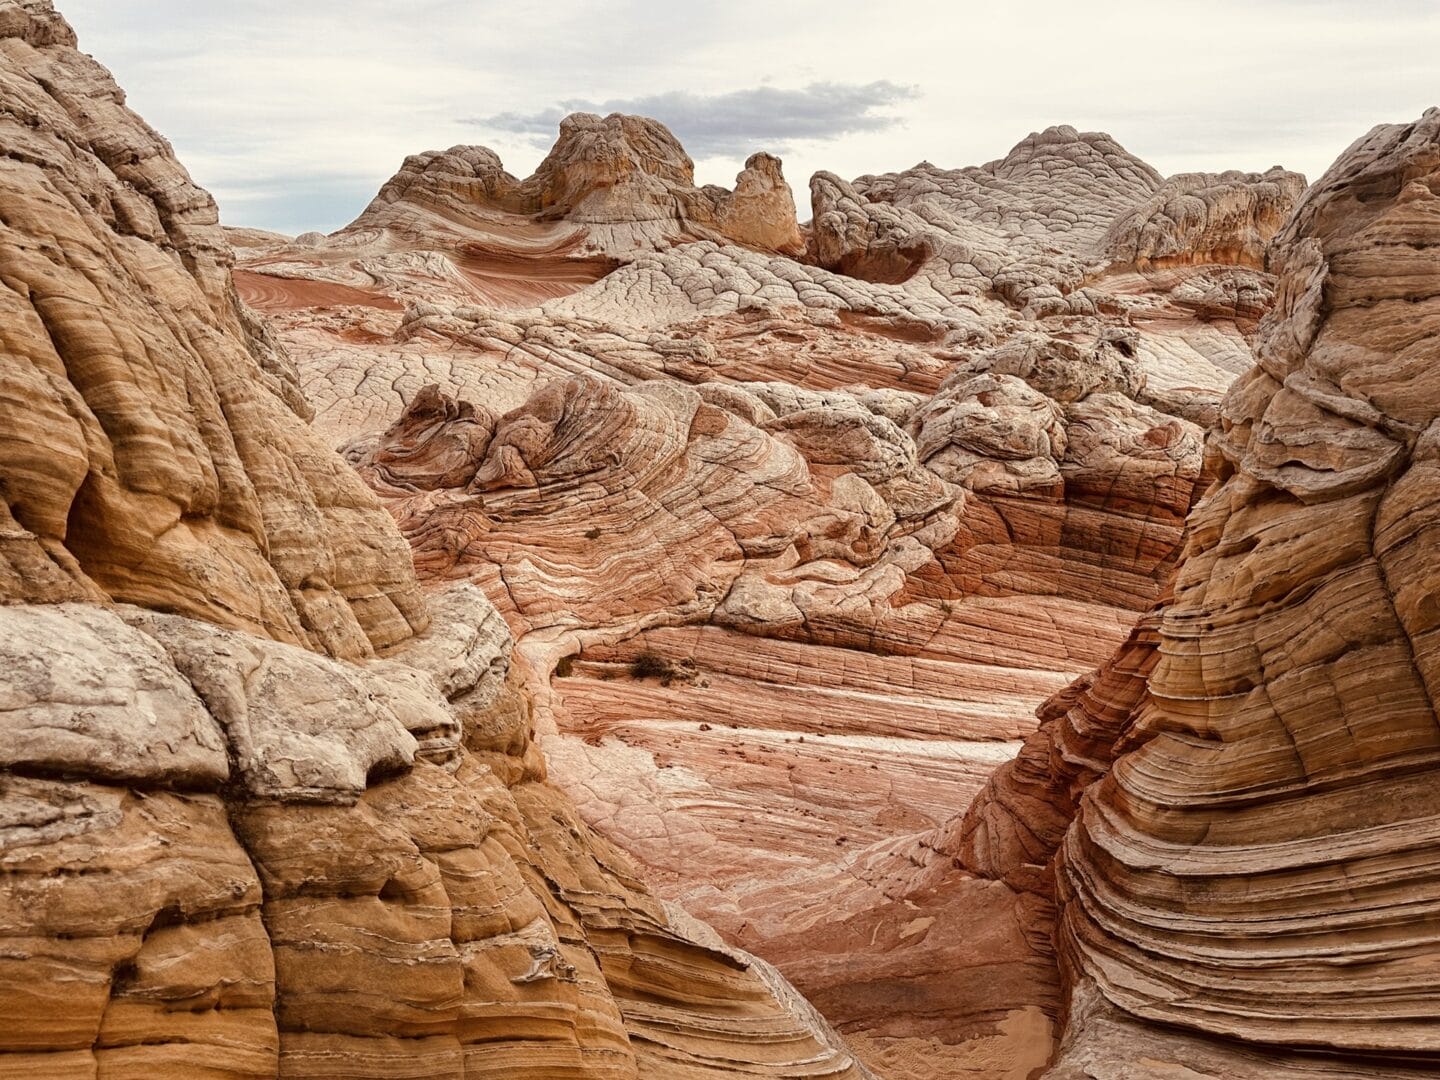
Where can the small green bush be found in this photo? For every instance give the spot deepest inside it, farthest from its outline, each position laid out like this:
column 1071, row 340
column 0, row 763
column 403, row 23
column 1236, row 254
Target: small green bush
column 650, row 665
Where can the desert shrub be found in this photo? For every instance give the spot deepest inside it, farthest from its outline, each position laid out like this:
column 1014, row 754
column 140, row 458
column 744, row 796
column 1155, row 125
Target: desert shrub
column 649, row 665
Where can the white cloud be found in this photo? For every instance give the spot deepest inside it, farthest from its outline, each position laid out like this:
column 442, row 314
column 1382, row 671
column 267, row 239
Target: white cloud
column 735, row 123
column 293, row 114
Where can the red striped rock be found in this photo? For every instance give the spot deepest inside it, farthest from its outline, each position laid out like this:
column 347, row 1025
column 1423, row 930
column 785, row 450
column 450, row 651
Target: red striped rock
column 267, row 810
column 796, row 555
column 1255, row 867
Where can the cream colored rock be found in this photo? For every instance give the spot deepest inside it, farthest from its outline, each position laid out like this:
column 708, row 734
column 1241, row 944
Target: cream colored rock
column 234, row 842
column 992, row 433
column 81, row 692
column 1205, row 218
column 302, row 727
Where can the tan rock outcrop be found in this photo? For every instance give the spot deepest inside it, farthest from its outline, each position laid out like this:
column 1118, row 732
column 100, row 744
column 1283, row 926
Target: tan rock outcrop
column 1231, row 812
column 265, row 809
column 625, row 181
column 1204, row 218
column 151, row 451
column 1255, row 867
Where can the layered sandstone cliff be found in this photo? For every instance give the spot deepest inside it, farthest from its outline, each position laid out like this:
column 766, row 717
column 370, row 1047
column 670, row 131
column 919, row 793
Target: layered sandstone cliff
column 796, row 546
column 835, row 583
column 1235, row 808
column 1268, row 829
column 266, row 809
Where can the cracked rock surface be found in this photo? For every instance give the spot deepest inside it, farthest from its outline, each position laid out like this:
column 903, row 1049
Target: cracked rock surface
column 796, row 537
column 266, row 808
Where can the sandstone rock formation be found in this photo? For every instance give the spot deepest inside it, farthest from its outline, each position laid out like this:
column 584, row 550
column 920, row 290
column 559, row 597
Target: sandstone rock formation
column 1230, row 813
column 1280, row 772
column 265, row 808
column 834, row 582
column 624, row 179
column 796, row 546
column 152, row 451
column 454, row 225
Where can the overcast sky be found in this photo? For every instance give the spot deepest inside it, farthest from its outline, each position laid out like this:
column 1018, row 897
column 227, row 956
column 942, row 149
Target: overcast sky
column 293, row 112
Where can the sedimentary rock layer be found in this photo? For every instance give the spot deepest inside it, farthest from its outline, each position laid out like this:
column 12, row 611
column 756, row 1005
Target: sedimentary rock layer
column 155, row 449
column 1259, row 866
column 795, row 546
column 265, row 809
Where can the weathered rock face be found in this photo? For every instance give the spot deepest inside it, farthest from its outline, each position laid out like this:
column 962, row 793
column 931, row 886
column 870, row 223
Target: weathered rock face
column 1201, row 218
column 265, row 809
column 1268, row 831
column 796, row 546
column 152, row 452
column 1233, row 812
column 328, row 869
column 624, row 180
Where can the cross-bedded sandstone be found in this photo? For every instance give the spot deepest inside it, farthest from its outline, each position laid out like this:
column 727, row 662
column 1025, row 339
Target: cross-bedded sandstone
column 266, row 810
column 918, row 479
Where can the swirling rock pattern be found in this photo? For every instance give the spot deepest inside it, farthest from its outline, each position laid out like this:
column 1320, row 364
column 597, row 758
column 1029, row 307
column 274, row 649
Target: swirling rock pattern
column 796, row 546
column 265, row 809
column 1232, row 813
column 1257, row 866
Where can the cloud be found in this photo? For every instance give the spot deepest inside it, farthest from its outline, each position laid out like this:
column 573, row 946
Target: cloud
column 294, row 114
column 735, row 123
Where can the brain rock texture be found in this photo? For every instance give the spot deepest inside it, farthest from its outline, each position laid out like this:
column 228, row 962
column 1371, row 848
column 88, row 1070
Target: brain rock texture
column 1001, row 607
column 267, row 809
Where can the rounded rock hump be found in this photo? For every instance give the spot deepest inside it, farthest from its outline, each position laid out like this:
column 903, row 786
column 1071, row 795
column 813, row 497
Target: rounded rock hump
column 628, row 163
column 1198, row 218
column 624, row 181
column 449, row 182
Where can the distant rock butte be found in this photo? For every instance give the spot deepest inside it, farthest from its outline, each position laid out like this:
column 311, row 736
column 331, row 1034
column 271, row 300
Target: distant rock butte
column 454, row 225
column 624, row 179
